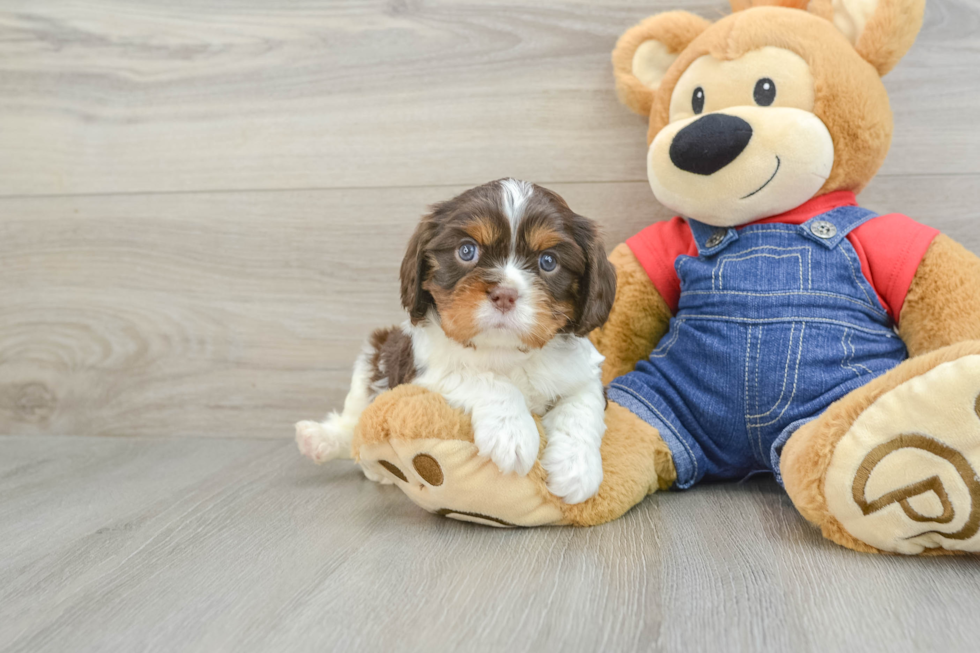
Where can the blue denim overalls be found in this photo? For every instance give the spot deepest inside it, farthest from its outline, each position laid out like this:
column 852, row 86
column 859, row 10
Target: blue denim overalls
column 775, row 323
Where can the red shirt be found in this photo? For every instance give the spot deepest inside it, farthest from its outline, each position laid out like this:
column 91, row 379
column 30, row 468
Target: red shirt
column 890, row 248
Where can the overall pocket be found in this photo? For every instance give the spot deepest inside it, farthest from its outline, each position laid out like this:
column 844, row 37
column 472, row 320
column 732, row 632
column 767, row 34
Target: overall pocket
column 764, row 269
column 773, row 356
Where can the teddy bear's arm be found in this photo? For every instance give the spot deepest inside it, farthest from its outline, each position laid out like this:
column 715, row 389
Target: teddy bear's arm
column 943, row 303
column 639, row 317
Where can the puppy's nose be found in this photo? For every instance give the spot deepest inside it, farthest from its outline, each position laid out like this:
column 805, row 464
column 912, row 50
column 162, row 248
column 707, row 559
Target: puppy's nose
column 710, row 143
column 503, row 298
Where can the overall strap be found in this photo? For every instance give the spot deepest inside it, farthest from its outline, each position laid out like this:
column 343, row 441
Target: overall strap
column 711, row 240
column 830, row 228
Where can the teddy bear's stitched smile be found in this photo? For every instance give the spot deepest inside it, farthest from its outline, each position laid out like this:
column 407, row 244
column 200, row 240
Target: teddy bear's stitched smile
column 773, row 176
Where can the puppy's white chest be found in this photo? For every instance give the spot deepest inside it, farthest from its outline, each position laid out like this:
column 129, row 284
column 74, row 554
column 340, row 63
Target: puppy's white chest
column 539, row 393
column 542, row 376
column 540, row 397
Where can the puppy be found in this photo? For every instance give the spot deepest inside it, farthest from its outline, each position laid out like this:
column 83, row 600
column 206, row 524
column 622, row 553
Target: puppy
column 502, row 285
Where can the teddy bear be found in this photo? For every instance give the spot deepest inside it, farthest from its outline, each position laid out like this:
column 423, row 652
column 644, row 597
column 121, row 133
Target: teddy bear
column 775, row 325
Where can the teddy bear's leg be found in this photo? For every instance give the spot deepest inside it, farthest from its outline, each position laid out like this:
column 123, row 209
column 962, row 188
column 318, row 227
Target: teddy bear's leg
column 892, row 467
column 414, row 438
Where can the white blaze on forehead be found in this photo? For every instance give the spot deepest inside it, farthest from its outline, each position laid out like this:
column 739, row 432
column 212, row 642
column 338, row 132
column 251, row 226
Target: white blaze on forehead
column 517, row 278
column 515, row 195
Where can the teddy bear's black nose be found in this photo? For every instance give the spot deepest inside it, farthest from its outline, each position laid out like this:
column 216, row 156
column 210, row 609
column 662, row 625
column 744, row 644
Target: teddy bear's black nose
column 710, row 143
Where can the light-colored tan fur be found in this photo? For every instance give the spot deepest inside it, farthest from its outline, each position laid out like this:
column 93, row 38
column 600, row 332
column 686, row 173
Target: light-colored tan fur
column 861, row 125
column 807, row 454
column 635, row 460
column 943, row 303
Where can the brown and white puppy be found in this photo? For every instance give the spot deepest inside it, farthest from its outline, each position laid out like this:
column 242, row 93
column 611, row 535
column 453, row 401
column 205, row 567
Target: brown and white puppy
column 502, row 284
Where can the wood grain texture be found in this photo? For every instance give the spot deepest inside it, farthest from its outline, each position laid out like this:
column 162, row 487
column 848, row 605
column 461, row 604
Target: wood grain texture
column 153, row 285
column 203, row 206
column 124, row 96
column 235, row 314
column 237, row 545
column 207, row 314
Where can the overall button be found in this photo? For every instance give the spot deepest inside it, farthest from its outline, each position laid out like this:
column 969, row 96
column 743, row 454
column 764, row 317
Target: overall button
column 715, row 239
column 823, row 229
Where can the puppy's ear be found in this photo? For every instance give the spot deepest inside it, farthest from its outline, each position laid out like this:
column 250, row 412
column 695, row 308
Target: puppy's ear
column 415, row 269
column 597, row 288
column 645, row 51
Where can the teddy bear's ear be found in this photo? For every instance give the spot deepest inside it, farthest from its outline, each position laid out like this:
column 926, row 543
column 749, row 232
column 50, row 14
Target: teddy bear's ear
column 645, row 52
column 739, row 5
column 882, row 31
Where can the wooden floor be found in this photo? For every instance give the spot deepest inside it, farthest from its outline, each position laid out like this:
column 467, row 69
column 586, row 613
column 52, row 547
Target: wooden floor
column 203, row 205
column 122, row 544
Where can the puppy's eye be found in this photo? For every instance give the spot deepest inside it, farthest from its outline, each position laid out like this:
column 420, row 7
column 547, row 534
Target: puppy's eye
column 547, row 262
column 765, row 92
column 467, row 252
column 697, row 100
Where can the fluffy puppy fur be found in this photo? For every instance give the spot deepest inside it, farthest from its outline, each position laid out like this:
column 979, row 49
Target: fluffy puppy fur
column 502, row 285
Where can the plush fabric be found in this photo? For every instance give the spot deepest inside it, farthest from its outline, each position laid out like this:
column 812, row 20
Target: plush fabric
column 861, row 127
column 412, row 437
column 808, row 453
column 674, row 29
column 943, row 303
column 888, row 32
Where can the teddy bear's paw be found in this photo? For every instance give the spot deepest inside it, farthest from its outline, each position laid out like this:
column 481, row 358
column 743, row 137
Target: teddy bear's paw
column 325, row 441
column 574, row 468
column 451, row 478
column 904, row 477
column 511, row 441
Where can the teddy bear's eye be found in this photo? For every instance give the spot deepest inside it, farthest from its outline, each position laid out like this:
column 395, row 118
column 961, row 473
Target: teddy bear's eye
column 697, row 100
column 765, row 92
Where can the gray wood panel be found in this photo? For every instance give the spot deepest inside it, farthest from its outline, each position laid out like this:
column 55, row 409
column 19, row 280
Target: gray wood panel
column 129, row 96
column 235, row 314
column 240, row 545
column 203, row 205
column 153, row 285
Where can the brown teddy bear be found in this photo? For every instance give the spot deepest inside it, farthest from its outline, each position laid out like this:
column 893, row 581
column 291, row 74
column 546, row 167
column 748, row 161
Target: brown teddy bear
column 777, row 326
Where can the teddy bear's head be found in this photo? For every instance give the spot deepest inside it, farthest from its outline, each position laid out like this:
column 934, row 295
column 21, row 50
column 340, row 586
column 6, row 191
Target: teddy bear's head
column 758, row 112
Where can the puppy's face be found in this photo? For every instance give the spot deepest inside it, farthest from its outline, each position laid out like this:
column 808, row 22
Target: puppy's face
column 507, row 264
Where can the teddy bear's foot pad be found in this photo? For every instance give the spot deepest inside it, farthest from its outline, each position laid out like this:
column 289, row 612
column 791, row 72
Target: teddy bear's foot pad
column 903, row 478
column 449, row 478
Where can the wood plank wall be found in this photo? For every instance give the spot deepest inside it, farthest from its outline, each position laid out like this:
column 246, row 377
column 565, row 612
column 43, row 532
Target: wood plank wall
column 203, row 204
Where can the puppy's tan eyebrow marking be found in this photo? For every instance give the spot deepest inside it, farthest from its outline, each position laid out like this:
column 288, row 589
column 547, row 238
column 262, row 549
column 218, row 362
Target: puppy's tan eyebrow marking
column 540, row 238
column 483, row 231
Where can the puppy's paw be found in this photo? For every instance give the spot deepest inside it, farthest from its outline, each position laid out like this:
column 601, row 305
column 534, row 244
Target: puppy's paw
column 574, row 468
column 325, row 441
column 510, row 441
column 376, row 477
